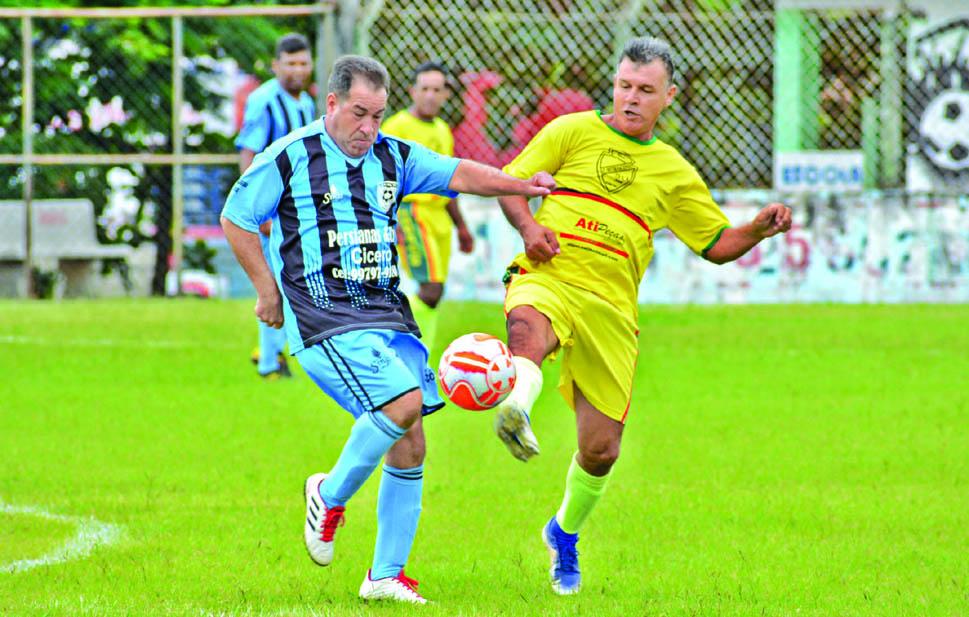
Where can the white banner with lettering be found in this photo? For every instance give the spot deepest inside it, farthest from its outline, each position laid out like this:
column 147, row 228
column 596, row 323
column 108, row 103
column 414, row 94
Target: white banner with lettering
column 819, row 170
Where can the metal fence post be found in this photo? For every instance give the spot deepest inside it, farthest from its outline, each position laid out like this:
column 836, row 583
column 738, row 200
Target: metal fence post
column 327, row 53
column 346, row 24
column 625, row 27
column 320, row 69
column 27, row 145
column 890, row 119
column 364, row 24
column 797, row 88
column 178, row 199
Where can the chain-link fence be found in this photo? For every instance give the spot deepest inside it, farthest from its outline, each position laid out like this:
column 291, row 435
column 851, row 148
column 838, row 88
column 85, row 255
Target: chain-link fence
column 149, row 103
column 771, row 96
column 752, row 80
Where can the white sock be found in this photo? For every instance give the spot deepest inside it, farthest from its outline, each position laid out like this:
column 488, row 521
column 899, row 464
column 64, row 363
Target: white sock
column 528, row 383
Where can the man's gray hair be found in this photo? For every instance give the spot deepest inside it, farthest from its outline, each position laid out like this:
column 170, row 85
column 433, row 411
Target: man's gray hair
column 348, row 67
column 645, row 49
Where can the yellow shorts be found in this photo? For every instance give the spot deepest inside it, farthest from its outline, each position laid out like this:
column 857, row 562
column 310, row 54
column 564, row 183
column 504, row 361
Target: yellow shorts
column 424, row 241
column 599, row 342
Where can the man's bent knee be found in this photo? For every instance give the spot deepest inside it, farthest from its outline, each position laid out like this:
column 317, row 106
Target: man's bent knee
column 599, row 436
column 430, row 293
column 530, row 333
column 406, row 409
column 598, row 458
column 409, row 451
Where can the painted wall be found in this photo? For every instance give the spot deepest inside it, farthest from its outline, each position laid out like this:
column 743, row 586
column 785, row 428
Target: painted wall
column 863, row 248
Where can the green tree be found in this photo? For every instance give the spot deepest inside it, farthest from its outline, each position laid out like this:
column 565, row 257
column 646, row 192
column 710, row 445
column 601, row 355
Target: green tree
column 103, row 86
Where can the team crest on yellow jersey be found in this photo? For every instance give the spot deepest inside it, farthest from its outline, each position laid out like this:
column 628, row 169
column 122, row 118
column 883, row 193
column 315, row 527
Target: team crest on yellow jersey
column 387, row 193
column 616, row 170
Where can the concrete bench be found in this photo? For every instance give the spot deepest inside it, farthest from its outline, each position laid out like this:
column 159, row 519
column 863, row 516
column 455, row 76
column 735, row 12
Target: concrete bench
column 13, row 231
column 13, row 248
column 62, row 235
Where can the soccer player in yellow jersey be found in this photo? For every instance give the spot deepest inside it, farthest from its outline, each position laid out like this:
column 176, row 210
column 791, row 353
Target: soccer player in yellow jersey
column 425, row 221
column 573, row 291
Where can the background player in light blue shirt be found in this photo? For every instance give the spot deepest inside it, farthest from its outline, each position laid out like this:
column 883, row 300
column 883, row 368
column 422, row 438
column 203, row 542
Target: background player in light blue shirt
column 332, row 190
column 273, row 110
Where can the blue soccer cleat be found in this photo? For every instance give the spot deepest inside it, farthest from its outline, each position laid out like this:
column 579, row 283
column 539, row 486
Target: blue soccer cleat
column 565, row 558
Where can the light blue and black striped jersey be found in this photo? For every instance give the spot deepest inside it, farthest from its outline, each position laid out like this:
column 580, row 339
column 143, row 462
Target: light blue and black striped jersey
column 271, row 113
column 333, row 242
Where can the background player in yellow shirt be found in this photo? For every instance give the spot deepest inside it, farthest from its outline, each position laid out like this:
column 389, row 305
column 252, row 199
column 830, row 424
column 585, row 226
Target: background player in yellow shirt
column 425, row 222
column 573, row 291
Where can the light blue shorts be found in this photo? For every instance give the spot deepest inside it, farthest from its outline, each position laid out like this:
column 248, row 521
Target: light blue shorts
column 364, row 370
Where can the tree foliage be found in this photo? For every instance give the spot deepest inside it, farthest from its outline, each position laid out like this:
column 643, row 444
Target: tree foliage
column 104, row 86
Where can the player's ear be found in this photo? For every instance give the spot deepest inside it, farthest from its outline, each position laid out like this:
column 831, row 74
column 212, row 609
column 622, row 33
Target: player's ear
column 275, row 66
column 331, row 102
column 670, row 93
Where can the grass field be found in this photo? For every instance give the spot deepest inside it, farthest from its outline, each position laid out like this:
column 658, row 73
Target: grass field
column 808, row 460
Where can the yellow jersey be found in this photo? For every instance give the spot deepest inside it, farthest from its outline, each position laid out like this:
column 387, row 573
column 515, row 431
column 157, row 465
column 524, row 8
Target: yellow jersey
column 435, row 135
column 613, row 193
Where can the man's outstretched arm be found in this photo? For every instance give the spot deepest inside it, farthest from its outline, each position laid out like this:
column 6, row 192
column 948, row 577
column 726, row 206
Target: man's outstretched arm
column 478, row 179
column 734, row 242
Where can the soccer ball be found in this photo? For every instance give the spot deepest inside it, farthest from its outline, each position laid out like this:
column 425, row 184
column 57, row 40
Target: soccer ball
column 476, row 371
column 944, row 131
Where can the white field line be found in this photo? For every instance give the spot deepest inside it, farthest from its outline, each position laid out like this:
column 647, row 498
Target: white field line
column 91, row 533
column 11, row 339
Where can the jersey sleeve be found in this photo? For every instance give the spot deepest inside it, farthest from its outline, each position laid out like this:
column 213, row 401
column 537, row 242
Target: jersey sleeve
column 255, row 196
column 254, row 134
column 545, row 152
column 696, row 219
column 426, row 171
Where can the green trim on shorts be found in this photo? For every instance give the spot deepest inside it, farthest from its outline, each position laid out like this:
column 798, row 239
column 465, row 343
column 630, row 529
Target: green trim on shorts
column 509, row 273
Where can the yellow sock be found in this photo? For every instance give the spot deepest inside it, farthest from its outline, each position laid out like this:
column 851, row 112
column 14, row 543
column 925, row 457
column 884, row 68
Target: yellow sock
column 582, row 493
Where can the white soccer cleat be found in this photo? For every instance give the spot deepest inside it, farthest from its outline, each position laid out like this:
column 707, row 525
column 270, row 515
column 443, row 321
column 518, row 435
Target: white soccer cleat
column 321, row 522
column 515, row 429
column 400, row 588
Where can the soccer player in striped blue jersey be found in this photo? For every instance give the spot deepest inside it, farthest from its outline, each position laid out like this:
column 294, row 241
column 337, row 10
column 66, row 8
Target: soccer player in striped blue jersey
column 273, row 110
column 332, row 191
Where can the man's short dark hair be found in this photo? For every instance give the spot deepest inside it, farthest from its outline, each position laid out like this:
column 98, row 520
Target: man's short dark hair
column 645, row 49
column 348, row 67
column 291, row 43
column 427, row 67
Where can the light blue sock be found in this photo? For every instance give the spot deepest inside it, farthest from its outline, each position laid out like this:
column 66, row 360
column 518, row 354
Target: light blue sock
column 398, row 510
column 271, row 342
column 371, row 437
